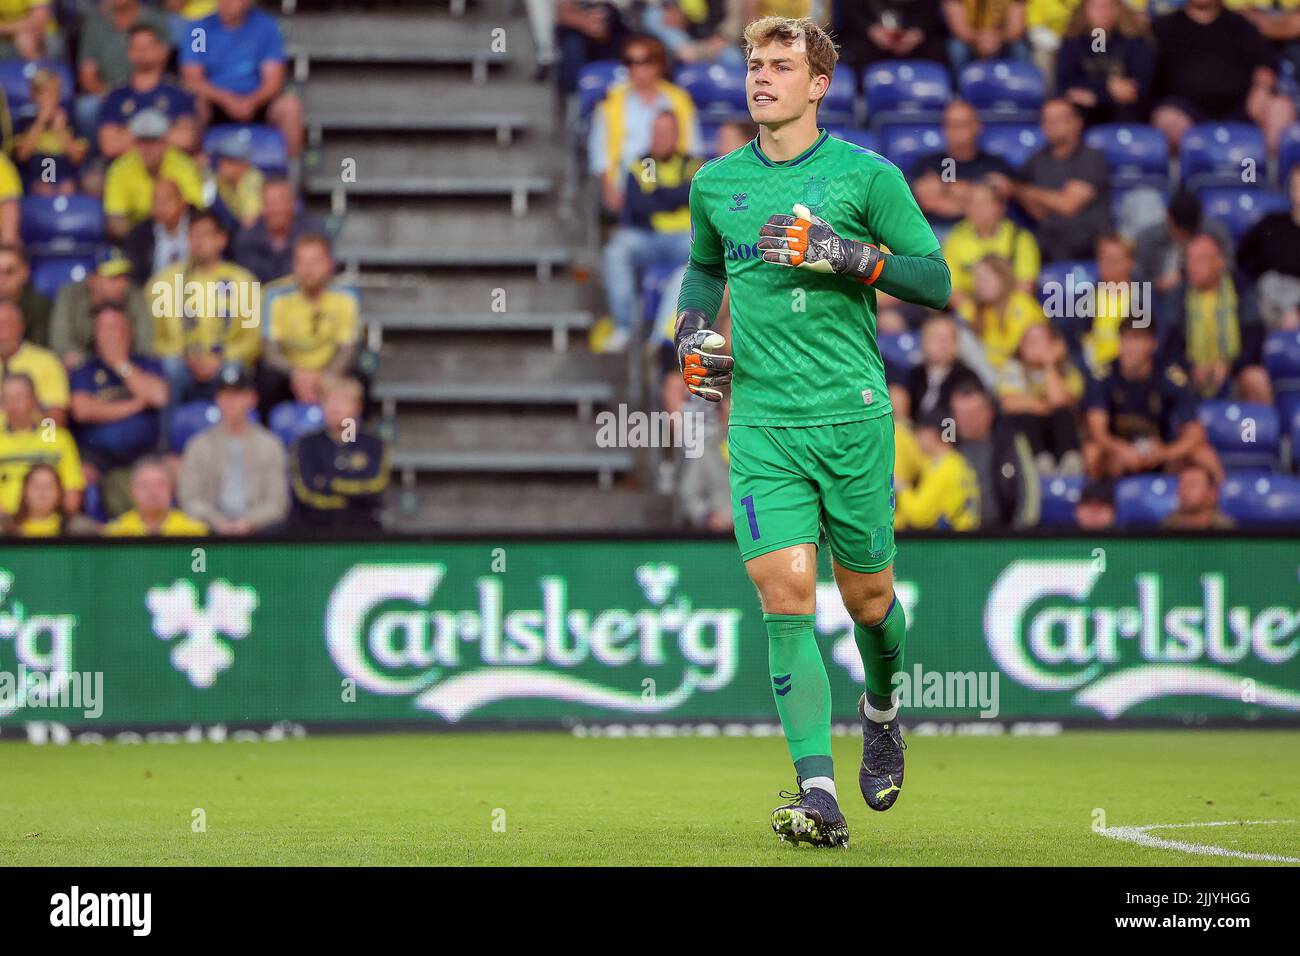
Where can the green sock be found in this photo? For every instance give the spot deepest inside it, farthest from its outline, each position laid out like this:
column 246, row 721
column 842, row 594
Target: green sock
column 881, row 647
column 802, row 691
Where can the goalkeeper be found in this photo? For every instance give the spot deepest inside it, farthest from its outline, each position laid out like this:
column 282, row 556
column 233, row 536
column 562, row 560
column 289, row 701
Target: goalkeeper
column 804, row 228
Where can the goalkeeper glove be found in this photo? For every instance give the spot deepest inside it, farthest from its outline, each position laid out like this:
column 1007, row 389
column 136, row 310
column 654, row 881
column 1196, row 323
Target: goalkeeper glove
column 696, row 344
column 809, row 242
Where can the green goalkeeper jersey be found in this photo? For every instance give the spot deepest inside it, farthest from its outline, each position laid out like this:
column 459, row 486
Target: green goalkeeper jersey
column 804, row 342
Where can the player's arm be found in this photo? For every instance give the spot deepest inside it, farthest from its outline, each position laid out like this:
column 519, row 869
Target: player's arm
column 697, row 307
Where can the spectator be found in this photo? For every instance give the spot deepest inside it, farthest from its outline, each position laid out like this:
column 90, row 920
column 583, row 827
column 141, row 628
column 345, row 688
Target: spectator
column 146, row 89
column 163, row 239
column 50, row 149
column 116, row 397
column 1198, row 502
column 1215, row 332
column 239, row 186
column 103, row 62
column 339, row 472
column 1160, row 248
column 129, row 186
column 947, row 494
column 24, row 29
column 18, row 356
column 72, row 324
column 704, row 493
column 1039, row 390
column 313, row 328
column 11, row 194
column 1064, row 187
column 623, row 123
column 1113, row 302
column 27, row 440
column 697, row 32
column 587, row 30
column 1110, row 82
column 985, row 30
column 195, row 334
column 909, row 462
column 239, row 76
column 1045, row 25
column 997, row 312
column 41, row 512
column 15, row 285
column 233, row 474
column 943, row 180
column 184, row 15
column 1141, row 419
column 1001, row 457
column 1213, row 65
column 986, row 230
column 1269, row 254
column 654, row 226
column 891, row 30
column 1096, row 508
column 931, row 381
column 153, row 514
column 266, row 248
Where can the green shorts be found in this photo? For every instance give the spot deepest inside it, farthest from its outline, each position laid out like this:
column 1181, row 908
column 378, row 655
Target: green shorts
column 788, row 483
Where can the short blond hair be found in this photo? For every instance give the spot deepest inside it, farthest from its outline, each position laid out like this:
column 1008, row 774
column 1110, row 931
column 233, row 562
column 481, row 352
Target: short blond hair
column 331, row 383
column 803, row 33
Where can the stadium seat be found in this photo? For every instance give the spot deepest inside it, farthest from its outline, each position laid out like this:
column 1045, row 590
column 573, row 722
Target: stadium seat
column 1136, row 155
column 190, row 418
column 1288, row 407
column 51, row 273
column 92, row 502
column 1244, row 434
column 905, row 145
column 653, row 280
column 1013, row 142
column 14, row 75
column 905, row 91
column 1219, row 154
column 1240, row 207
column 1059, row 496
column 1288, row 153
column 839, row 105
column 718, row 89
column 1003, row 90
column 266, row 147
column 1282, row 360
column 1144, row 499
column 290, row 420
column 1261, row 500
column 709, row 139
column 61, row 224
column 1066, row 274
column 901, row 351
column 594, row 79
column 857, row 136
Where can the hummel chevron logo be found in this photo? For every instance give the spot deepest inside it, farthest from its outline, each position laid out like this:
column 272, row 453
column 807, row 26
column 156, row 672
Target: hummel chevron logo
column 781, row 684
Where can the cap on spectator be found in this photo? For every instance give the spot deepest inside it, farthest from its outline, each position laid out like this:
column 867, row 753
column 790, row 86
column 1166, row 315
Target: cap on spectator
column 1097, row 493
column 148, row 124
column 234, row 375
column 113, row 264
column 233, row 147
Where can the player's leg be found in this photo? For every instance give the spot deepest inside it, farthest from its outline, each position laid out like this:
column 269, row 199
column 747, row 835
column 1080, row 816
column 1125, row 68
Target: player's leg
column 856, row 463
column 776, row 525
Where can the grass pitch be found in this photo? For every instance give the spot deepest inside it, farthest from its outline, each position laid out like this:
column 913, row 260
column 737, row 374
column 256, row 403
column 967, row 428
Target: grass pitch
column 549, row 798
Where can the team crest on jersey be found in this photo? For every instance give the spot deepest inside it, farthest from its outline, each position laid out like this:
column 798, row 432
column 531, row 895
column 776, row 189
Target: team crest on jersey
column 814, row 192
column 739, row 202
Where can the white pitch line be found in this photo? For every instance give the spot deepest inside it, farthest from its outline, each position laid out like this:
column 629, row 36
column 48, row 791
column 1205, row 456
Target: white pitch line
column 1142, row 836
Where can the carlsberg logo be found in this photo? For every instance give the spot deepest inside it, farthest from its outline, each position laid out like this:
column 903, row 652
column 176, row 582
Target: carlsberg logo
column 385, row 630
column 1044, row 633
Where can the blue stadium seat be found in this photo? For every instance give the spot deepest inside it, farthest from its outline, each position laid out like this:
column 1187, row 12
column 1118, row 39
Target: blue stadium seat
column 839, row 105
column 709, row 139
column 905, row 91
column 653, row 280
column 1240, row 207
column 1079, row 271
column 190, row 418
column 718, row 89
column 594, row 79
column 1244, row 434
column 92, row 503
column 901, row 351
column 1282, row 360
column 905, row 145
column 14, row 76
column 1218, row 154
column 1135, row 154
column 1144, row 499
column 1288, row 151
column 1288, row 407
column 857, row 136
column 1059, row 496
column 1261, row 500
column 290, row 420
column 266, row 147
column 60, row 224
column 51, row 273
column 1003, row 89
column 1013, row 142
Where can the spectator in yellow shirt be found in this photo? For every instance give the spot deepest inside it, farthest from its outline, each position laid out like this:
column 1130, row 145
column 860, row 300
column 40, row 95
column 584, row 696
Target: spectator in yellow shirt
column 986, row 230
column 41, row 512
column 313, row 327
column 41, row 366
column 239, row 185
column 153, row 514
column 26, row 441
column 11, row 194
column 908, row 460
column 1040, row 390
column 207, row 312
column 23, row 28
column 1115, row 264
column 947, row 496
column 128, row 187
column 997, row 312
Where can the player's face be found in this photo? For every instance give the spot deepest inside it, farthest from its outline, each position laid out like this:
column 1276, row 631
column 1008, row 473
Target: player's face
column 779, row 85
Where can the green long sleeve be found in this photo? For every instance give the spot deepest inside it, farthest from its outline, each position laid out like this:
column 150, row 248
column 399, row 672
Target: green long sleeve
column 702, row 287
column 924, row 280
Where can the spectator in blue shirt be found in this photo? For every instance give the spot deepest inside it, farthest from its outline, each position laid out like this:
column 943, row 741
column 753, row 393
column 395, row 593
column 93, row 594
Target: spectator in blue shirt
column 238, row 76
column 146, row 90
column 116, row 397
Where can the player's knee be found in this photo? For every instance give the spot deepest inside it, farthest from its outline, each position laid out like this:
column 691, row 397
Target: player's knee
column 871, row 607
column 787, row 597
